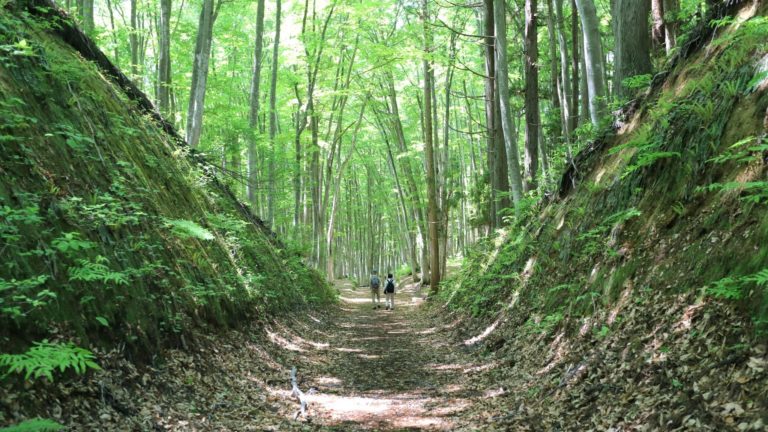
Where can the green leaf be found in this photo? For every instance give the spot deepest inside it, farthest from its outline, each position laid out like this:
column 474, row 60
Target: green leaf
column 103, row 321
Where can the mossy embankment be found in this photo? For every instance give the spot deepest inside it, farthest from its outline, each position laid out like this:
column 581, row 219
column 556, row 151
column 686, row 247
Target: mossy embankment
column 111, row 231
column 639, row 297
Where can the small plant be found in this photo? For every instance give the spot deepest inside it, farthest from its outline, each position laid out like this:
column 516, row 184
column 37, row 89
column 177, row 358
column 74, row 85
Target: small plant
column 44, row 358
column 90, row 271
column 188, row 229
column 71, row 242
column 34, row 425
column 732, row 287
column 638, row 81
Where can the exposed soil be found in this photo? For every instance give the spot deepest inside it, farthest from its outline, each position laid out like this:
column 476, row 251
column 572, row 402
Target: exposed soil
column 382, row 370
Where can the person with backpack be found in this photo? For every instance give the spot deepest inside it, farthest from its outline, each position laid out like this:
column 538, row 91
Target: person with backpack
column 375, row 284
column 389, row 292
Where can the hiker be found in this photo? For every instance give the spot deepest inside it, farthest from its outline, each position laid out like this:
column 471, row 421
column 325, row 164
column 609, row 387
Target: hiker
column 389, row 292
column 375, row 284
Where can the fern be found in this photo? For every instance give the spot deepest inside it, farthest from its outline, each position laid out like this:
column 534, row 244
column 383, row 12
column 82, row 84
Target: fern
column 186, row 229
column 760, row 278
column 89, row 271
column 44, row 358
column 34, row 425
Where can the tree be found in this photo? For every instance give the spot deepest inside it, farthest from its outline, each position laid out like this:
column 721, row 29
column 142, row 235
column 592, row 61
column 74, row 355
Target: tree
column 253, row 111
column 593, row 59
column 500, row 22
column 532, row 117
column 273, row 116
column 633, row 42
column 200, row 65
column 164, row 59
column 434, row 240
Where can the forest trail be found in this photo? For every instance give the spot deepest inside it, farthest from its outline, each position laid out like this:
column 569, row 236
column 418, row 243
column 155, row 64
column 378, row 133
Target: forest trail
column 382, row 370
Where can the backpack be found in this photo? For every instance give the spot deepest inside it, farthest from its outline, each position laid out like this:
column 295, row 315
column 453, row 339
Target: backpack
column 375, row 282
column 390, row 286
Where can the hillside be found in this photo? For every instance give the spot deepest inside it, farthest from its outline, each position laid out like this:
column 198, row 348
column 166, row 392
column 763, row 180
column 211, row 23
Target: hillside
column 115, row 235
column 637, row 299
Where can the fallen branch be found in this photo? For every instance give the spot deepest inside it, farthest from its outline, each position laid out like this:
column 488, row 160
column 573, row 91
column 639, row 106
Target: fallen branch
column 299, row 394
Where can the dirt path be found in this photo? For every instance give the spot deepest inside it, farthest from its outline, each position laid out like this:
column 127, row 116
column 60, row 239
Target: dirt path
column 379, row 369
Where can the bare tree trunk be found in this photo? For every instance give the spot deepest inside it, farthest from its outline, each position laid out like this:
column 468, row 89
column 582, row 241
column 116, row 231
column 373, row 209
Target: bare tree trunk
column 273, row 117
column 532, row 116
column 253, row 114
column 133, row 40
column 200, row 73
column 164, row 59
column 657, row 29
column 593, row 55
column 432, row 206
column 575, row 67
column 565, row 79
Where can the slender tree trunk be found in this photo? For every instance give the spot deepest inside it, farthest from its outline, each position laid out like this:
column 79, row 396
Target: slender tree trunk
column 657, row 29
column 253, row 114
column 671, row 23
column 133, row 40
column 273, row 116
column 507, row 125
column 633, row 43
column 337, row 193
column 86, row 15
column 559, row 100
column 164, row 59
column 593, row 55
column 565, row 78
column 532, row 116
column 575, row 67
column 200, row 73
column 432, row 206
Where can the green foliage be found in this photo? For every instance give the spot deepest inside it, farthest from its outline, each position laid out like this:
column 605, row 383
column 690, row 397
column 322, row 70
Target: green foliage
column 70, row 243
column 545, row 325
column 733, row 287
column 45, row 358
column 34, row 425
column 97, row 271
column 188, row 229
column 595, row 239
column 18, row 297
column 637, row 82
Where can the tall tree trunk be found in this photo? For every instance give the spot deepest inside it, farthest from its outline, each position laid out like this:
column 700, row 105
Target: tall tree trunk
column 593, row 55
column 432, row 206
column 532, row 116
column 575, row 67
column 253, row 114
column 657, row 28
column 273, row 116
column 200, row 73
column 565, row 78
column 133, row 39
column 557, row 96
column 633, row 42
column 490, row 109
column 164, row 59
column 671, row 23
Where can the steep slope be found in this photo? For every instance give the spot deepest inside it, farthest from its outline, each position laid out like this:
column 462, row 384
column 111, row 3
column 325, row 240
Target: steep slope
column 638, row 300
column 112, row 233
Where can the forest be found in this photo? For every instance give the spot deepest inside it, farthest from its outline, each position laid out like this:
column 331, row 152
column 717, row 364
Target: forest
column 199, row 199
